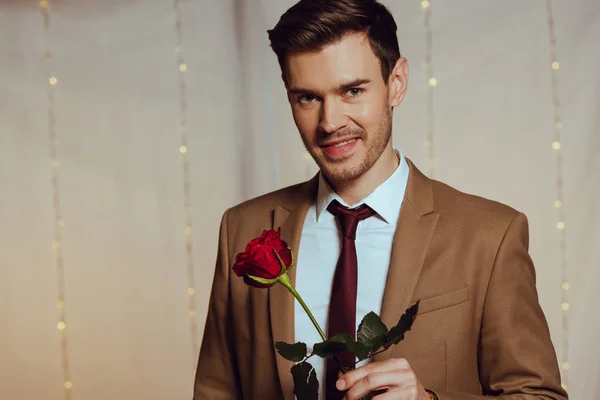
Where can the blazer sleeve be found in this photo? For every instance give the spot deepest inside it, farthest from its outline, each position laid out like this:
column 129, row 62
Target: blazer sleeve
column 516, row 357
column 216, row 374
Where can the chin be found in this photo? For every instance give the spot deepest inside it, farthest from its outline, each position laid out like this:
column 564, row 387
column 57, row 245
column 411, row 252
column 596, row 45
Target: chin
column 342, row 173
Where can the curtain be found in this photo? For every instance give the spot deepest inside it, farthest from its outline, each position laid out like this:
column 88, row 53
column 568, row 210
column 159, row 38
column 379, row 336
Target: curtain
column 121, row 238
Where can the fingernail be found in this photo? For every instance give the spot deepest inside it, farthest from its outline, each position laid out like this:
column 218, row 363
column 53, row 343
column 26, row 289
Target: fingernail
column 340, row 384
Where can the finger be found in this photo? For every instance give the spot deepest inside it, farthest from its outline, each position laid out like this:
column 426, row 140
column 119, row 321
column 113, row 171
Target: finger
column 351, row 377
column 397, row 381
column 372, row 382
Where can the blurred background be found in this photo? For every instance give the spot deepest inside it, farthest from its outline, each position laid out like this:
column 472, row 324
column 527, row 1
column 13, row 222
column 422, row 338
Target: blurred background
column 128, row 127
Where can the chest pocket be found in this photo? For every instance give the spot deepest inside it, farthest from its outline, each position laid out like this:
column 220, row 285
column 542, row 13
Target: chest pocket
column 442, row 301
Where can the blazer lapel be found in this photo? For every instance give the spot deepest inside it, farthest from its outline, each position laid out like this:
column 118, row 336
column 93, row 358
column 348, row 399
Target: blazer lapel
column 414, row 231
column 281, row 302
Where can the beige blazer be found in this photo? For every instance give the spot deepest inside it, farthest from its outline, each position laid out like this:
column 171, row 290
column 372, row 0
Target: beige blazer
column 480, row 329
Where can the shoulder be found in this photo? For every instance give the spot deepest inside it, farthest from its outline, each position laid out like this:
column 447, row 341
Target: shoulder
column 261, row 208
column 472, row 213
column 455, row 208
column 450, row 199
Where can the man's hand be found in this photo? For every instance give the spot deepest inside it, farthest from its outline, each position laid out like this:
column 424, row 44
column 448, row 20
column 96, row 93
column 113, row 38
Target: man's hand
column 394, row 376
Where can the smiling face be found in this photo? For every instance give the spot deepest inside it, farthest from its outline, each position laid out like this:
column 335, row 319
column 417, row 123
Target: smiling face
column 343, row 107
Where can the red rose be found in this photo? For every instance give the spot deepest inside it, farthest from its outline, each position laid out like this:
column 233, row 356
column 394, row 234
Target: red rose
column 260, row 260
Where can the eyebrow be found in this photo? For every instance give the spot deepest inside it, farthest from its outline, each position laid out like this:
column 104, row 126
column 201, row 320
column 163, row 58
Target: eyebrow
column 342, row 88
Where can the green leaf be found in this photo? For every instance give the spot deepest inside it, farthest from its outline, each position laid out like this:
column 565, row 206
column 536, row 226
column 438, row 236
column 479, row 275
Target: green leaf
column 338, row 343
column 293, row 352
column 358, row 349
column 306, row 385
column 371, row 332
column 396, row 334
column 332, row 346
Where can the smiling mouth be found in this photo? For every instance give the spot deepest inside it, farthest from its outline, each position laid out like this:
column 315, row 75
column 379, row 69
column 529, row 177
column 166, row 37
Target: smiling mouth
column 341, row 144
column 338, row 151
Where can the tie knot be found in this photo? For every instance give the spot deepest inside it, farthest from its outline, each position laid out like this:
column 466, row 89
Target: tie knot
column 348, row 218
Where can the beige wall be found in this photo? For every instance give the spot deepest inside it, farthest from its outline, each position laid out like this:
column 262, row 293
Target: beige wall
column 121, row 184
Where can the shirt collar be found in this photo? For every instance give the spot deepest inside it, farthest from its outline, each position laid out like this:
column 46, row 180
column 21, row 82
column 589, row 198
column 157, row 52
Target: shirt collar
column 386, row 199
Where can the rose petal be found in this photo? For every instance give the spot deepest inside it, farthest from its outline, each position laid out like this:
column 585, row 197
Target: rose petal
column 260, row 259
column 286, row 256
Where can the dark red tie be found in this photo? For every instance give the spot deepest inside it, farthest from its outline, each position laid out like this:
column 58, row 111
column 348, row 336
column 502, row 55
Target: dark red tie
column 342, row 305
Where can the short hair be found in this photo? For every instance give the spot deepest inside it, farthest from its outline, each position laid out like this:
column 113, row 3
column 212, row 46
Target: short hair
column 311, row 25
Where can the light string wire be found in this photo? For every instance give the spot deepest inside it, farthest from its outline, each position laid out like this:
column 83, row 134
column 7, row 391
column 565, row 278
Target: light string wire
column 57, row 244
column 559, row 201
column 432, row 82
column 183, row 150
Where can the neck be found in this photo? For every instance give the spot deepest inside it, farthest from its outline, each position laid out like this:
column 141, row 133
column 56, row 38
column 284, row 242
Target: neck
column 357, row 189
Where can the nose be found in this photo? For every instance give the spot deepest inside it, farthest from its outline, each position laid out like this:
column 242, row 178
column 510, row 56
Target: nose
column 333, row 116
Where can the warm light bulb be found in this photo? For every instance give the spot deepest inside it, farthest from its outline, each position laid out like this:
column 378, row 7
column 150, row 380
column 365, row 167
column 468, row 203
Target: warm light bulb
column 425, row 4
column 61, row 326
column 565, row 365
column 191, row 291
column 183, row 149
column 432, row 82
column 565, row 286
column 182, row 67
column 555, row 65
column 68, row 385
column 557, row 203
column 560, row 226
column 565, row 306
column 52, row 80
column 556, row 145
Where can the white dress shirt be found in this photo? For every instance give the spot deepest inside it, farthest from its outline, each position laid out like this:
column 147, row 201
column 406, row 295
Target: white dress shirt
column 320, row 247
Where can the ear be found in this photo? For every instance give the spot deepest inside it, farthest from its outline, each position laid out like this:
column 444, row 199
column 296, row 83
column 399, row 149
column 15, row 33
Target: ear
column 398, row 82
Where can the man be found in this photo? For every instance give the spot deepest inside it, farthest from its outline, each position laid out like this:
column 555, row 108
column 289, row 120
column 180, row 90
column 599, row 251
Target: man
column 480, row 330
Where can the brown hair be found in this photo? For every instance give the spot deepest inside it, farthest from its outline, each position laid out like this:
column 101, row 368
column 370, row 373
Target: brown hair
column 311, row 25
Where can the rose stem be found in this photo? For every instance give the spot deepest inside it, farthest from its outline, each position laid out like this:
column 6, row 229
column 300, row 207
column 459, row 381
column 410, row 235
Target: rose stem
column 285, row 281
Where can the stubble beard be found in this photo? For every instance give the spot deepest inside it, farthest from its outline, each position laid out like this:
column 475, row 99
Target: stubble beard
column 348, row 169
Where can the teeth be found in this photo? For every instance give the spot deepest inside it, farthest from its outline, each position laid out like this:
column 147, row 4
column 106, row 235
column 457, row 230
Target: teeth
column 344, row 143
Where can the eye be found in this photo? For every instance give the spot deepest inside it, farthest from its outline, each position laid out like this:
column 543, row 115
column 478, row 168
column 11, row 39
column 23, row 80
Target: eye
column 355, row 91
column 307, row 98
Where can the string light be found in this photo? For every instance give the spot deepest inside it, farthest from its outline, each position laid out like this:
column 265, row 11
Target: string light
column 559, row 201
column 432, row 81
column 183, row 149
column 58, row 220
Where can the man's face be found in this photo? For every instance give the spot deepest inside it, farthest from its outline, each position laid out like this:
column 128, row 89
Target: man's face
column 342, row 106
